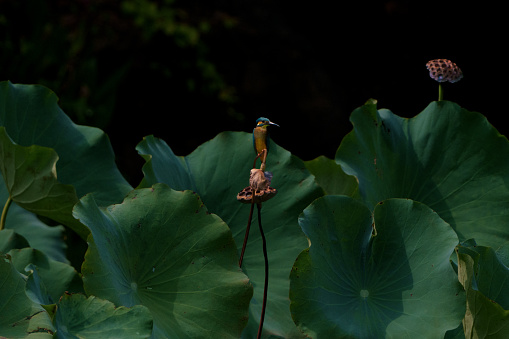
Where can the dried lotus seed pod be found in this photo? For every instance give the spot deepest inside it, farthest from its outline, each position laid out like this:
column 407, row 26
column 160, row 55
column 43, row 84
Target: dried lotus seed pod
column 443, row 70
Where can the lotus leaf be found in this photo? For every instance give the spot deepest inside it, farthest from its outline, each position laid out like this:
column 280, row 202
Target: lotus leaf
column 398, row 283
column 162, row 249
column 31, row 116
column 446, row 157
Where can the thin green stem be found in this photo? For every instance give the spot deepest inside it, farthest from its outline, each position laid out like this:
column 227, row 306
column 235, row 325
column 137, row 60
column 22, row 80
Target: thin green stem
column 4, row 212
column 266, row 284
column 440, row 92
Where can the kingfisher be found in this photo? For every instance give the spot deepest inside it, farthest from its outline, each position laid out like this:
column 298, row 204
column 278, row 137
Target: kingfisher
column 261, row 139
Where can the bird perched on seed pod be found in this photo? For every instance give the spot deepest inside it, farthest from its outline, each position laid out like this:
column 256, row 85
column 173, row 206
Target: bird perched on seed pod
column 261, row 139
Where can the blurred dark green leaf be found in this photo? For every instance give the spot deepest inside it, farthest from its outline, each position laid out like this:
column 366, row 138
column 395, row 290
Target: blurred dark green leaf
column 10, row 239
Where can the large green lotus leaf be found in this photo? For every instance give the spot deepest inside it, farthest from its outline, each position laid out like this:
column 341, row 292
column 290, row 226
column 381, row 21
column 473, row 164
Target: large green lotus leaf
column 331, row 177
column 217, row 171
column 451, row 159
column 48, row 239
column 20, row 317
column 161, row 248
column 31, row 180
column 57, row 276
column 397, row 284
column 31, row 116
column 486, row 281
column 80, row 317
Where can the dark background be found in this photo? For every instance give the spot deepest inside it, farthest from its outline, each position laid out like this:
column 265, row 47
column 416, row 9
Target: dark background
column 187, row 70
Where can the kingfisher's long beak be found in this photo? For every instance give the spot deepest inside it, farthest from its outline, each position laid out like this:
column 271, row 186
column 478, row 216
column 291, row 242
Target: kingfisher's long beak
column 273, row 124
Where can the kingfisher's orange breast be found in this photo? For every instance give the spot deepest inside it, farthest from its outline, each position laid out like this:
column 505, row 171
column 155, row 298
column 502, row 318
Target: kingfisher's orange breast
column 260, row 136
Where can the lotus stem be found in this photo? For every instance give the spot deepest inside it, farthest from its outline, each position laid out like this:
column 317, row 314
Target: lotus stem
column 440, row 92
column 4, row 212
column 247, row 233
column 266, row 284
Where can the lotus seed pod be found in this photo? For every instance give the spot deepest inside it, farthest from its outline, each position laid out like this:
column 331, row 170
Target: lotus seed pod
column 443, row 70
column 259, row 187
column 246, row 195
